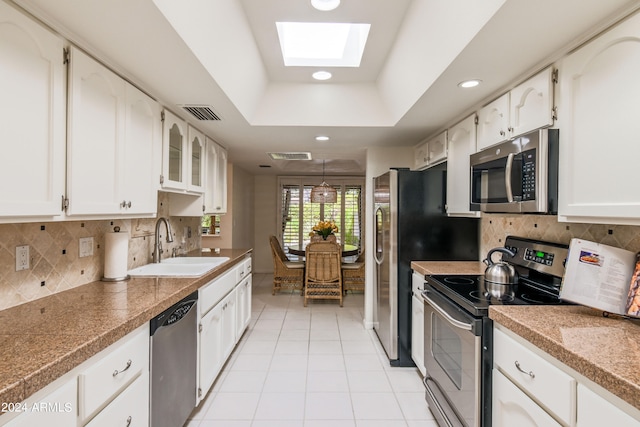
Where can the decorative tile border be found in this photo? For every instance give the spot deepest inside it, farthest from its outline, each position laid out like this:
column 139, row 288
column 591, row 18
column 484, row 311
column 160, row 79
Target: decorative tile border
column 55, row 264
column 496, row 227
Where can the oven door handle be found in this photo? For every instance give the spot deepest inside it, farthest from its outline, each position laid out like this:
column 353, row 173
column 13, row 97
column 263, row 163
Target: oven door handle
column 507, row 178
column 443, row 313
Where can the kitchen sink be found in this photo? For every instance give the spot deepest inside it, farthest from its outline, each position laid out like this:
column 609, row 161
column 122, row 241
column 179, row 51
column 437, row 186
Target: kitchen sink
column 179, row 267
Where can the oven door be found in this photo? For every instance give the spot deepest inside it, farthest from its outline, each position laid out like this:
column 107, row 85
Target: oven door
column 453, row 362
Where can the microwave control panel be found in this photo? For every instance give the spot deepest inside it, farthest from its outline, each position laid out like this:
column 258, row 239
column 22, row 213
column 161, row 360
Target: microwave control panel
column 529, row 175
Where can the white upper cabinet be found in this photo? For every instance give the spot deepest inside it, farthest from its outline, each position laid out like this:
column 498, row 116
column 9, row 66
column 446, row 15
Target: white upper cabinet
column 196, row 161
column 462, row 143
column 431, row 152
column 32, row 118
column 174, row 152
column 114, row 130
column 493, row 122
column 183, row 156
column 531, row 103
column 143, row 139
column 96, row 132
column 527, row 107
column 599, row 150
column 215, row 200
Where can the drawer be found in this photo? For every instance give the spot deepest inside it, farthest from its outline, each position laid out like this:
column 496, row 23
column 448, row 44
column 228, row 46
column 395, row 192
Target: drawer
column 130, row 408
column 59, row 408
column 511, row 407
column 243, row 269
column 113, row 370
column 211, row 293
column 537, row 377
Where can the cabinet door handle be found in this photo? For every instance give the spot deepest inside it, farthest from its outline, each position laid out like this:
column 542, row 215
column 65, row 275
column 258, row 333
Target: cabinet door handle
column 530, row 373
column 129, row 421
column 116, row 372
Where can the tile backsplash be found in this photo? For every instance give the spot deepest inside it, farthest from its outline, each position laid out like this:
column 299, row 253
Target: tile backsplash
column 496, row 227
column 54, row 261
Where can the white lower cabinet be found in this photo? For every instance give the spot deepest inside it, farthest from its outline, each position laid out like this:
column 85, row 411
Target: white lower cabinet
column 115, row 384
column 243, row 305
column 56, row 408
column 210, row 353
column 129, row 409
column 531, row 388
column 120, row 365
column 109, row 389
column 224, row 313
column 595, row 411
column 511, row 407
column 417, row 322
column 548, row 385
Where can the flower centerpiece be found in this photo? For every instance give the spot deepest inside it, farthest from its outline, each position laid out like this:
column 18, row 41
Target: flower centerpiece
column 324, row 229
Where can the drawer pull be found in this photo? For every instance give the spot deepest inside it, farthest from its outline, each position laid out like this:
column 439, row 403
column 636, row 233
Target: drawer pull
column 128, row 421
column 116, row 372
column 531, row 374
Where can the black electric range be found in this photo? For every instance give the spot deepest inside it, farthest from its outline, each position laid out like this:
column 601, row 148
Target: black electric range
column 540, row 266
column 456, row 325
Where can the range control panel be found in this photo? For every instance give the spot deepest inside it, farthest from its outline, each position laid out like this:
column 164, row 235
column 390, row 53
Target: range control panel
column 545, row 257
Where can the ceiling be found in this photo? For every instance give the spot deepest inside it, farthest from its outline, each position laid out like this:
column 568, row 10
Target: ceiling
column 225, row 54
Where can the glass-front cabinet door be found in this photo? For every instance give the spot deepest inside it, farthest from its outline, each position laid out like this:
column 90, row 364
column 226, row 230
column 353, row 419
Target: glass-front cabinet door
column 174, row 153
column 196, row 161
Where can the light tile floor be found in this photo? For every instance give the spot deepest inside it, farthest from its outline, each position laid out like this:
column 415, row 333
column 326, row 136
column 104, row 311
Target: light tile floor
column 312, row 366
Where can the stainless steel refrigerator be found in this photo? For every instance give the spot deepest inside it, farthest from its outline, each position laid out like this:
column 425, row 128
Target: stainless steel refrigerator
column 411, row 225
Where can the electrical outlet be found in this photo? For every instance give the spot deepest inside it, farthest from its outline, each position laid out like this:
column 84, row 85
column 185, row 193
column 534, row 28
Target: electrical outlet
column 86, row 246
column 22, row 257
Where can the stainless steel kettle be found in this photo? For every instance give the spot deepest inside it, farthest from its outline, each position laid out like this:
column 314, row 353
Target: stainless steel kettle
column 501, row 273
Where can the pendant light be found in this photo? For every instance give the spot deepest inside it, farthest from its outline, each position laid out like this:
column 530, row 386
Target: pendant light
column 323, row 193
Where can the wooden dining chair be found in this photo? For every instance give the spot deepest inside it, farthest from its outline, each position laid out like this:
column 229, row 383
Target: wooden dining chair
column 286, row 273
column 323, row 273
column 353, row 275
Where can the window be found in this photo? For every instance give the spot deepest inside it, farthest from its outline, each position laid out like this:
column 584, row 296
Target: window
column 210, row 224
column 299, row 215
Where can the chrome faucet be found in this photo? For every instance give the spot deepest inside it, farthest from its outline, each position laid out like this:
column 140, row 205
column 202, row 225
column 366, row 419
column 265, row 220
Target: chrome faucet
column 157, row 248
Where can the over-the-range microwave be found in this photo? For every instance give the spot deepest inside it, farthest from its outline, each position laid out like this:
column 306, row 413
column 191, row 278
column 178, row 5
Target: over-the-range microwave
column 520, row 175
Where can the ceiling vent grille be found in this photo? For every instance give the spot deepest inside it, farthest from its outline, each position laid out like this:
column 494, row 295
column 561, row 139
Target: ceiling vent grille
column 202, row 112
column 291, row 155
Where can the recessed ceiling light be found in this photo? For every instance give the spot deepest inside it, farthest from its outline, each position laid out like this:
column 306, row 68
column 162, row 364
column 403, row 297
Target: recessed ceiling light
column 321, row 75
column 325, row 5
column 469, row 83
column 322, row 138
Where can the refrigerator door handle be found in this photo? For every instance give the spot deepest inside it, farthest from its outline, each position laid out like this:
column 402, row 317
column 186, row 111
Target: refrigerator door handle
column 379, row 248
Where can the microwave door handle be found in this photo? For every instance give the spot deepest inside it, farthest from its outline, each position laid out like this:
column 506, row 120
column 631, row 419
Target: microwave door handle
column 507, row 177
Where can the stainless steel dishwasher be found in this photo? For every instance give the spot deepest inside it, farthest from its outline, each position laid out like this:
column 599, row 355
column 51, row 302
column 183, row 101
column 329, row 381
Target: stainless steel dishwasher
column 173, row 363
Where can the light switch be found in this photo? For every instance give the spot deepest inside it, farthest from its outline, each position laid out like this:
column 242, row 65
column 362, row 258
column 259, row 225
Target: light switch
column 86, row 246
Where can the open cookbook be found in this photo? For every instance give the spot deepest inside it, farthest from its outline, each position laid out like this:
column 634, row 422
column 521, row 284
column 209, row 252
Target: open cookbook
column 603, row 277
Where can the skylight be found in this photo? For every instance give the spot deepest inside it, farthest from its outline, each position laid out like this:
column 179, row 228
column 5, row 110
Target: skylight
column 325, row 44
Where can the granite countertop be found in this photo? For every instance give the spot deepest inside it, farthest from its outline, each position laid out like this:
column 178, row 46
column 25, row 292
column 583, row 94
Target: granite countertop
column 448, row 267
column 42, row 340
column 605, row 350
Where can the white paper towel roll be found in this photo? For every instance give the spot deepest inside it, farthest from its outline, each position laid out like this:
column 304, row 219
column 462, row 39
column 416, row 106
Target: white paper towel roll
column 116, row 253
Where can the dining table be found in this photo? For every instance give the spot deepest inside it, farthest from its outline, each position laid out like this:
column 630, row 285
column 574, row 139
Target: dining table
column 299, row 250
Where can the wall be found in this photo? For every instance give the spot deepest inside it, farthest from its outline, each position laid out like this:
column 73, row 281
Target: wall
column 55, row 264
column 243, row 209
column 496, row 227
column 265, row 221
